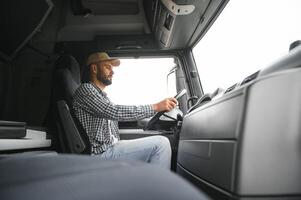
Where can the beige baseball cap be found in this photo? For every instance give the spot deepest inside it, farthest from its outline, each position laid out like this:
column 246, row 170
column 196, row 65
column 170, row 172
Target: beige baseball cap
column 102, row 56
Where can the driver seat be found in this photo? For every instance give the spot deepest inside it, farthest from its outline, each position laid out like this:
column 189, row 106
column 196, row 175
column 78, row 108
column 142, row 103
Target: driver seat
column 67, row 80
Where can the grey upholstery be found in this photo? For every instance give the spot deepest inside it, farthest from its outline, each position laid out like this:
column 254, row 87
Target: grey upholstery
column 83, row 177
column 28, row 154
column 67, row 78
column 76, row 138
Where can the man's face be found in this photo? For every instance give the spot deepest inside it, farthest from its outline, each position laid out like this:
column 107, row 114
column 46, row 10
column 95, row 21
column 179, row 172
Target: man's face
column 105, row 72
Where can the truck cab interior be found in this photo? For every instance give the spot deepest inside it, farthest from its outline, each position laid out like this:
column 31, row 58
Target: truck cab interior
column 242, row 142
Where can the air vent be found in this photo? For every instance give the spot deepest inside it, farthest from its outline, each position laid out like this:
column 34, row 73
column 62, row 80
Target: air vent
column 249, row 78
column 231, row 88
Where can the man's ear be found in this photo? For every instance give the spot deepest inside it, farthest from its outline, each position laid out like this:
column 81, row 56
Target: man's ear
column 94, row 68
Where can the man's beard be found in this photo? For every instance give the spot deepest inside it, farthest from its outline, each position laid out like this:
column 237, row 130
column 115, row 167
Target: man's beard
column 104, row 80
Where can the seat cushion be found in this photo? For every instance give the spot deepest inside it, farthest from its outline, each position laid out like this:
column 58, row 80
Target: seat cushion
column 85, row 177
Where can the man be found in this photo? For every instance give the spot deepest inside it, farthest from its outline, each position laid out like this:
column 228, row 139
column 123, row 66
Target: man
column 99, row 117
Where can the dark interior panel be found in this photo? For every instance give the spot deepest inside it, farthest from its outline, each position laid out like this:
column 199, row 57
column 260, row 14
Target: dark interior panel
column 10, row 86
column 19, row 22
column 112, row 7
column 3, row 86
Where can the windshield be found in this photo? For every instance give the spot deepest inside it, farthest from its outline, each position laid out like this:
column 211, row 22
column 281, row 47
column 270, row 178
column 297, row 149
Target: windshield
column 246, row 37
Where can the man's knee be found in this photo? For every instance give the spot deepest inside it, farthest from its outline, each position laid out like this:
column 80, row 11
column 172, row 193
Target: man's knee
column 163, row 142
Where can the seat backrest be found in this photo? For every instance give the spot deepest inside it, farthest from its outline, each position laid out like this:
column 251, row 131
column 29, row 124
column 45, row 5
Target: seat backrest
column 66, row 78
column 66, row 81
column 77, row 140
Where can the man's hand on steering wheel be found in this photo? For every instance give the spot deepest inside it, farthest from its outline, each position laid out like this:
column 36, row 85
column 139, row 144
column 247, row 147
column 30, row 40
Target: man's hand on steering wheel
column 165, row 105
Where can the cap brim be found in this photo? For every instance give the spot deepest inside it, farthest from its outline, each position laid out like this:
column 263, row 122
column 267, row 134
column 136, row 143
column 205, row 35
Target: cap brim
column 115, row 62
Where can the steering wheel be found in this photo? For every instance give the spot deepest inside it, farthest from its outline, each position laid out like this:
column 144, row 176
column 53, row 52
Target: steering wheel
column 157, row 116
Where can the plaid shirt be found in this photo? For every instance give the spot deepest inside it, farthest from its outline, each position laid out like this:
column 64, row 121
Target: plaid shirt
column 99, row 116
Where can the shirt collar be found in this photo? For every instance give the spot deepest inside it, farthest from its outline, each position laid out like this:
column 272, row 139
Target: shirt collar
column 98, row 89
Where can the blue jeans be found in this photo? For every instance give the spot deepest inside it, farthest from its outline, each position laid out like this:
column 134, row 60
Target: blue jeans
column 154, row 149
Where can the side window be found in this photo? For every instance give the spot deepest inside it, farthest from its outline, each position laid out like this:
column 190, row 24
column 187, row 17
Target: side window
column 142, row 81
column 246, row 37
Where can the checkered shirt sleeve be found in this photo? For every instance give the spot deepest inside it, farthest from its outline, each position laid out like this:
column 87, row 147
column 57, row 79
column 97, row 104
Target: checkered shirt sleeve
column 95, row 102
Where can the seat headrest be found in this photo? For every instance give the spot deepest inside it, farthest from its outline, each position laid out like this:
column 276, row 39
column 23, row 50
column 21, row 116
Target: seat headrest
column 70, row 63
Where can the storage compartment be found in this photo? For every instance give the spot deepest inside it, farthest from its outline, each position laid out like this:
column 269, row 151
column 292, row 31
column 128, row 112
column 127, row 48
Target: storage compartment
column 211, row 160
